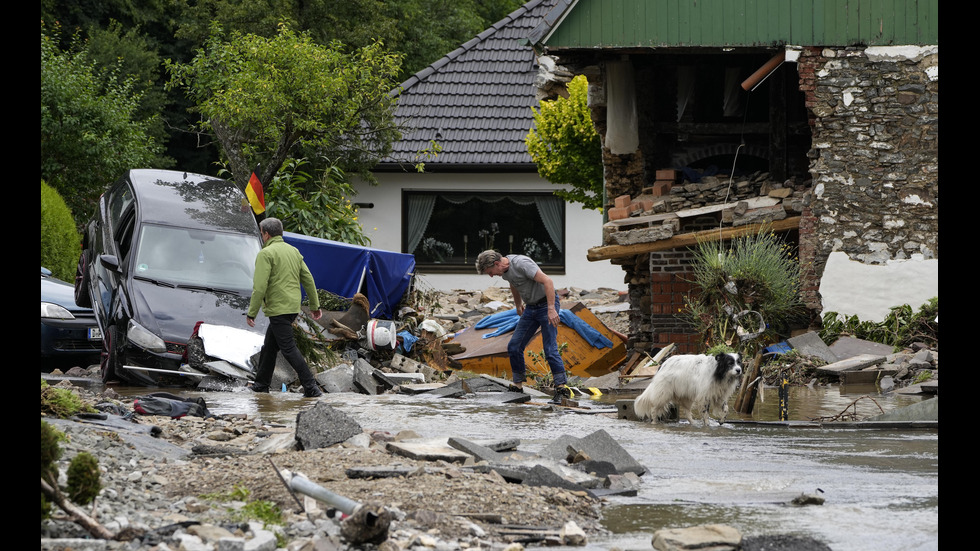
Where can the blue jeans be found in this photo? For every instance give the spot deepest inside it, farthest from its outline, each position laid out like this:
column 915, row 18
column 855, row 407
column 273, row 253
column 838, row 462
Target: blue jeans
column 533, row 318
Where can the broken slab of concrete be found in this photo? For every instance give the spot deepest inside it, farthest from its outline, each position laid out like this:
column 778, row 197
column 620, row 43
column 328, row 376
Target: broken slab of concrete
column 323, row 425
column 539, row 475
column 626, row 482
column 405, row 378
column 848, row 347
column 851, row 364
column 482, row 384
column 428, row 450
column 364, row 378
column 423, row 388
column 337, row 379
column 452, row 390
column 598, row 446
column 810, row 344
column 866, row 376
column 717, row 537
column 480, row 453
column 405, row 364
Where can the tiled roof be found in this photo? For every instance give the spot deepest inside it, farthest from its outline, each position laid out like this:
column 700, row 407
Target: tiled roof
column 476, row 101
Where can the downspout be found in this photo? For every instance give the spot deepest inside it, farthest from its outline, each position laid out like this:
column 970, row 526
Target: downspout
column 763, row 72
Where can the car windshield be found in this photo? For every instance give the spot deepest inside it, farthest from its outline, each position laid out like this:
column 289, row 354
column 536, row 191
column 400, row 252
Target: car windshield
column 199, row 258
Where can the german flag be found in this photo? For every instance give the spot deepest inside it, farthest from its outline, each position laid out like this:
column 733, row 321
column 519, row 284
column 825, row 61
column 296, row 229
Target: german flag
column 256, row 197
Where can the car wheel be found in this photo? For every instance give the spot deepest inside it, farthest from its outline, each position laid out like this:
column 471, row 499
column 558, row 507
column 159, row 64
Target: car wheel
column 110, row 354
column 82, row 297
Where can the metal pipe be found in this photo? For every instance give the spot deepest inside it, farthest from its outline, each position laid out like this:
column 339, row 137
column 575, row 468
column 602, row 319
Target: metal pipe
column 305, row 486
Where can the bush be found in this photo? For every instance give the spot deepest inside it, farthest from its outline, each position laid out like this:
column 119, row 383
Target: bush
column 60, row 240
column 756, row 277
column 900, row 328
column 84, row 479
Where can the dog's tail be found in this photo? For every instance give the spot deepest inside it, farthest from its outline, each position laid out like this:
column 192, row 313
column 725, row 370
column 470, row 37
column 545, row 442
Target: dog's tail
column 652, row 403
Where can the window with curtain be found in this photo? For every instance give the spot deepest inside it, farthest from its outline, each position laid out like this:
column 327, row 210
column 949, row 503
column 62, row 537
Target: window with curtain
column 446, row 231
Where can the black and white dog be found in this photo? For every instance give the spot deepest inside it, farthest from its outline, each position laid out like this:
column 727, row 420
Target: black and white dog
column 688, row 381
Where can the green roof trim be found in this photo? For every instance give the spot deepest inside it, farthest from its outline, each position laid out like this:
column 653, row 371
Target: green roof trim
column 595, row 24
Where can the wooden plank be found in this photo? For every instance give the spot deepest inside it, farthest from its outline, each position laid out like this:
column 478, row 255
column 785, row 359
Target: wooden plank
column 754, row 203
column 687, row 240
column 646, row 219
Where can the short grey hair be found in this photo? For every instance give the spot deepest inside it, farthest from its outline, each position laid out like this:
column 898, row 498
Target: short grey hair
column 271, row 226
column 485, row 260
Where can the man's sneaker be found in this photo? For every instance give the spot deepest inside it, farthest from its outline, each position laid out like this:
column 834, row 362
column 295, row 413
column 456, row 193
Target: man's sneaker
column 259, row 388
column 561, row 393
column 313, row 393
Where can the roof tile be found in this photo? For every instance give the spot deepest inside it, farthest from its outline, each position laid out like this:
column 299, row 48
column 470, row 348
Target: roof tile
column 477, row 97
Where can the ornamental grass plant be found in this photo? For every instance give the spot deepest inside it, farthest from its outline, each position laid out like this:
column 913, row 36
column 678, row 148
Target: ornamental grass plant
column 744, row 293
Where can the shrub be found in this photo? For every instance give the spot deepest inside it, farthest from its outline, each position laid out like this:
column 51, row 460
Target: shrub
column 754, row 281
column 900, row 328
column 60, row 240
column 83, row 478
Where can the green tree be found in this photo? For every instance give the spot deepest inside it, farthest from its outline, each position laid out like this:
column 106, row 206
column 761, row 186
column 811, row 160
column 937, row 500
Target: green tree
column 421, row 30
column 318, row 207
column 566, row 148
column 268, row 99
column 90, row 133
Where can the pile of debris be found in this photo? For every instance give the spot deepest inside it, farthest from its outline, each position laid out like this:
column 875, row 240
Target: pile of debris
column 669, row 208
column 354, row 353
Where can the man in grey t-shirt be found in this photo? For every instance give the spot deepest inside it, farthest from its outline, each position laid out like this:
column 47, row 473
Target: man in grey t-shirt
column 537, row 305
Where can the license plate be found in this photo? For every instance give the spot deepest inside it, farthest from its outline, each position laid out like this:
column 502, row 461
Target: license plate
column 94, row 334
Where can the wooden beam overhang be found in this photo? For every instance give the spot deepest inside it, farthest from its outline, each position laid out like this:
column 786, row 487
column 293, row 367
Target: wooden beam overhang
column 610, row 252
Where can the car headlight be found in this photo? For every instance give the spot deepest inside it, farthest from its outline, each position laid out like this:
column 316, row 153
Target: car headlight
column 53, row 311
column 143, row 338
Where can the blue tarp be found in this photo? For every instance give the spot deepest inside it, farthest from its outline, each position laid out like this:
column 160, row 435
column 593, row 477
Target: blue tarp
column 507, row 320
column 344, row 269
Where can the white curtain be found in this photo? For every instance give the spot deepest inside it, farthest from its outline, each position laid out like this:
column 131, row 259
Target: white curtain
column 419, row 212
column 622, row 132
column 550, row 209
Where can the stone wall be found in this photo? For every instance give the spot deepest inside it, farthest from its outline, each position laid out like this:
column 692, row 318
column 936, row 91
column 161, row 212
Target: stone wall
column 874, row 194
column 874, row 161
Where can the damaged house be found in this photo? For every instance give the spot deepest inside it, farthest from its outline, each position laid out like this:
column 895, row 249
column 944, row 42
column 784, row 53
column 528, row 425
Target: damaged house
column 819, row 118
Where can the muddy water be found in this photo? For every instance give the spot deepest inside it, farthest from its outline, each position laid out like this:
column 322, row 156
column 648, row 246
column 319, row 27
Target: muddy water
column 881, row 487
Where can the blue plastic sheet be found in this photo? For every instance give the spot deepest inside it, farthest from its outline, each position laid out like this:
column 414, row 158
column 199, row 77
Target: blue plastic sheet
column 507, row 320
column 344, row 269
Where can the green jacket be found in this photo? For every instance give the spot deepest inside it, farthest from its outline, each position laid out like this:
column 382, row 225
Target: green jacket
column 279, row 271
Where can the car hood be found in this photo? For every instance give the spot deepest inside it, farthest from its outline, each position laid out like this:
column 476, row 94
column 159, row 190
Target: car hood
column 61, row 293
column 172, row 313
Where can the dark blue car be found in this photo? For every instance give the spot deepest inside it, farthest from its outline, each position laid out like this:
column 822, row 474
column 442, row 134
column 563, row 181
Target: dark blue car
column 70, row 335
column 165, row 251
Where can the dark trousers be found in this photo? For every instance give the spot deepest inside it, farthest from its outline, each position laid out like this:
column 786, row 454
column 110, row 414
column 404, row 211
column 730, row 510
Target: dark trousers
column 279, row 337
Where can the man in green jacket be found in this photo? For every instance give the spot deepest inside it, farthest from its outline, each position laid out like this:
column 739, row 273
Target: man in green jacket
column 279, row 271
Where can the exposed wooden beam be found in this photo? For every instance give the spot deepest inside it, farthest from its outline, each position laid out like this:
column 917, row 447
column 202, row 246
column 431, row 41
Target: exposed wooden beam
column 687, row 239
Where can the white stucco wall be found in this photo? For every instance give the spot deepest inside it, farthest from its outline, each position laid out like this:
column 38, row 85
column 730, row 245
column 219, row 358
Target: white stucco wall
column 869, row 291
column 583, row 228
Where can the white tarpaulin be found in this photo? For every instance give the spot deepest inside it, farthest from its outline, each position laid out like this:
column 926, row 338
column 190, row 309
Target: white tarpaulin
column 233, row 345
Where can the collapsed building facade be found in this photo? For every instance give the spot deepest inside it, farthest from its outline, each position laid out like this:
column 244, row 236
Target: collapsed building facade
column 817, row 119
